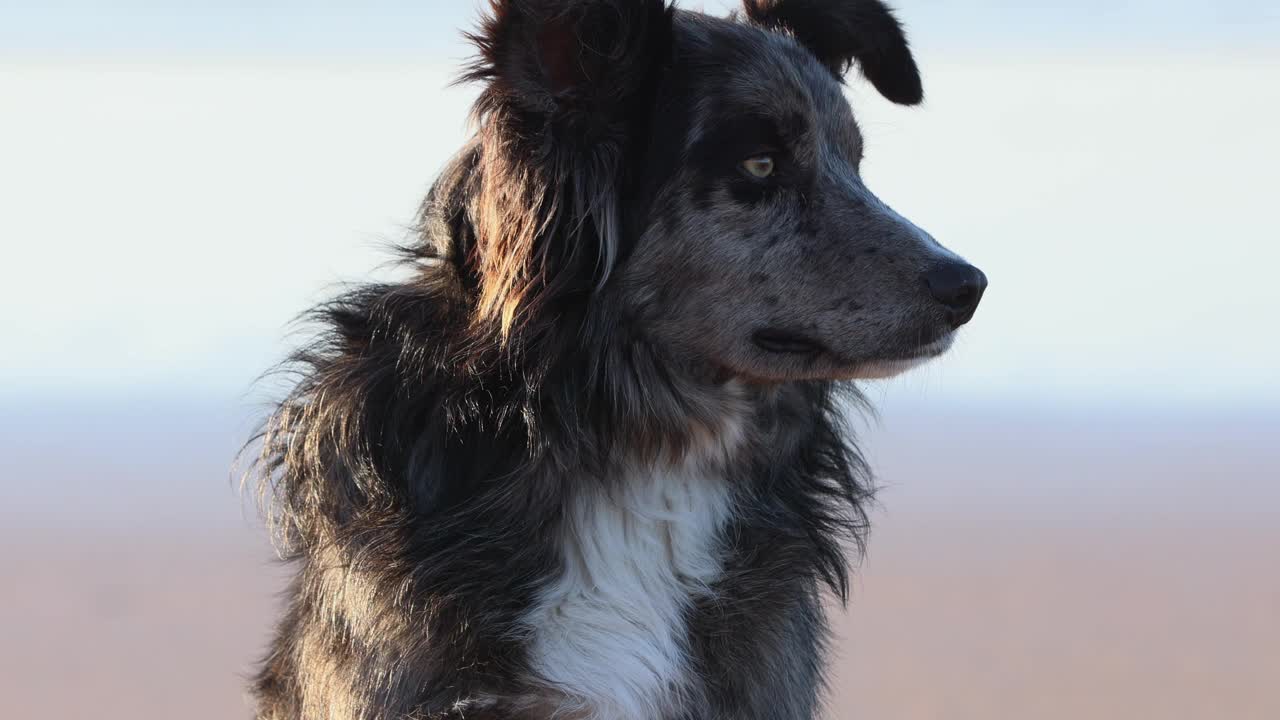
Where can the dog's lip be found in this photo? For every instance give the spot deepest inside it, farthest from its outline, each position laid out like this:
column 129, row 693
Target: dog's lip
column 790, row 342
column 821, row 362
column 786, row 342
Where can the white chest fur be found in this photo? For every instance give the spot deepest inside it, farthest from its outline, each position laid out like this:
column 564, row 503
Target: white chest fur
column 610, row 633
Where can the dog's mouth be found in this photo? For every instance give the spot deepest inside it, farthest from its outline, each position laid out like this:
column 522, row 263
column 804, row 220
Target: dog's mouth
column 785, row 342
column 821, row 361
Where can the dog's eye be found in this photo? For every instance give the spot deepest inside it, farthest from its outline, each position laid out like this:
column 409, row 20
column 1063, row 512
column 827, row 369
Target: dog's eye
column 759, row 167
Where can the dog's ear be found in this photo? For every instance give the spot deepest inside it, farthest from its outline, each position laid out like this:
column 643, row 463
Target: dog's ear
column 841, row 32
column 569, row 56
column 565, row 80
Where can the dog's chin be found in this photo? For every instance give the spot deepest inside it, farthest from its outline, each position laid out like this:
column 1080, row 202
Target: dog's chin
column 773, row 367
column 884, row 369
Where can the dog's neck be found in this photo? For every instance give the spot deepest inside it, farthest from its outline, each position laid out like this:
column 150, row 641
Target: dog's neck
column 636, row 552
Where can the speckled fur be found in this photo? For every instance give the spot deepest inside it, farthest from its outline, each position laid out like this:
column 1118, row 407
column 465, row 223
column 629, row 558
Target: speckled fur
column 549, row 475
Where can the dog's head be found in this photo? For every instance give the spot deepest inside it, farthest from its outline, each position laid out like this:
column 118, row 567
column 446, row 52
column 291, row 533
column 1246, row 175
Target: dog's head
column 705, row 172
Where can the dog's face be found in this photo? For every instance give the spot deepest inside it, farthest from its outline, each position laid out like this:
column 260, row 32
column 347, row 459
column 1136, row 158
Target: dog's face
column 764, row 252
column 748, row 241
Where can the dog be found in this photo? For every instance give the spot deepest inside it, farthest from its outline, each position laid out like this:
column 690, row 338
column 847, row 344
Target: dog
column 588, row 460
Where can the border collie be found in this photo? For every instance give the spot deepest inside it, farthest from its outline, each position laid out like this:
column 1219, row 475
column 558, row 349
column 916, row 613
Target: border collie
column 588, row 462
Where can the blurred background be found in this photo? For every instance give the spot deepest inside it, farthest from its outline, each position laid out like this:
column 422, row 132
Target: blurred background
column 1081, row 505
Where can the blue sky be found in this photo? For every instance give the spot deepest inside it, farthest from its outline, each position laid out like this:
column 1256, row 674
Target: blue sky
column 181, row 179
column 431, row 27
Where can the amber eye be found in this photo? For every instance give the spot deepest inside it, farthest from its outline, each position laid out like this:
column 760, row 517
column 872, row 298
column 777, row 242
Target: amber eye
column 759, row 167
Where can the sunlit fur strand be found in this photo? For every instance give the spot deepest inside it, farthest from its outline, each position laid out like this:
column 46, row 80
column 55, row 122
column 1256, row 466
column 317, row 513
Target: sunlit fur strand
column 561, row 152
column 418, row 470
column 406, row 388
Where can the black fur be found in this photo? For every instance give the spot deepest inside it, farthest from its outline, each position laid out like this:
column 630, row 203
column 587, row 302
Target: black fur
column 417, row 472
column 426, row 465
column 841, row 32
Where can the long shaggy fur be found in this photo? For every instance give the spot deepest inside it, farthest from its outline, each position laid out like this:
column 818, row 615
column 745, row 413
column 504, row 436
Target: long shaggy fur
column 439, row 427
column 563, row 116
column 417, row 469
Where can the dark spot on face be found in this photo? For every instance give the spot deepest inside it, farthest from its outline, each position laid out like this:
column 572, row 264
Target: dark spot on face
column 759, row 278
column 773, row 241
column 871, row 250
column 772, row 300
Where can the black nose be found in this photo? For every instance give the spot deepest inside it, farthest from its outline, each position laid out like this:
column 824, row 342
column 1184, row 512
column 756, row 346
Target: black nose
column 959, row 287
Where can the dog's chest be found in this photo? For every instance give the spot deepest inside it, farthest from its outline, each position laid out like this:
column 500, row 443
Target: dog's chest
column 609, row 634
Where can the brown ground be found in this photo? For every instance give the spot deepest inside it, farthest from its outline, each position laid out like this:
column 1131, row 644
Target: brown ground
column 956, row 621
column 1020, row 570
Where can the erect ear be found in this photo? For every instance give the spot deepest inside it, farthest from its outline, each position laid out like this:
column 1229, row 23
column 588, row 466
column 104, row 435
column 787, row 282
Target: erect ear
column 841, row 32
column 585, row 56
